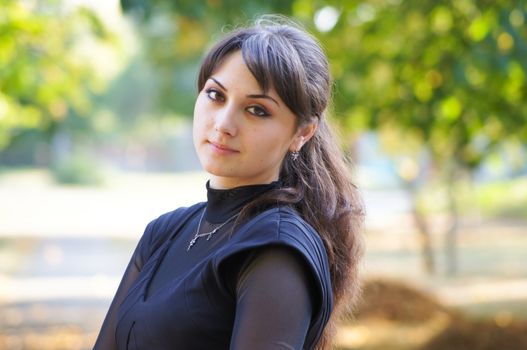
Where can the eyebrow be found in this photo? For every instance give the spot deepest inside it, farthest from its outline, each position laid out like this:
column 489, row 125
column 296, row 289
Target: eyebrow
column 251, row 95
column 264, row 96
column 220, row 84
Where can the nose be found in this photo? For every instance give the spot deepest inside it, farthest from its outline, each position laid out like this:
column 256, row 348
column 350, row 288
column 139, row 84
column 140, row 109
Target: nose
column 225, row 121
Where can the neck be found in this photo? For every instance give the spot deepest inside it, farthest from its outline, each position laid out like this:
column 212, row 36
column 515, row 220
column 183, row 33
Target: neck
column 224, row 203
column 223, row 183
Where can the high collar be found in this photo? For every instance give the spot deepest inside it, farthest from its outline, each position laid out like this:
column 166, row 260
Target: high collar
column 224, row 203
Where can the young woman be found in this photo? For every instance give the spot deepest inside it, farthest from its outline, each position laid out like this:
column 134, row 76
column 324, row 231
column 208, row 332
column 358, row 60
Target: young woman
column 269, row 258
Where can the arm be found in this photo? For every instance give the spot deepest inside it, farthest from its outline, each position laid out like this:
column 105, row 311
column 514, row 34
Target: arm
column 106, row 337
column 273, row 301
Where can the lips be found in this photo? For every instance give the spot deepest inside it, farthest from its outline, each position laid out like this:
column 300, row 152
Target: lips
column 221, row 147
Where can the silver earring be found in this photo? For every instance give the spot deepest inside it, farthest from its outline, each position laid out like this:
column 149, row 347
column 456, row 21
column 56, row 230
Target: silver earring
column 294, row 155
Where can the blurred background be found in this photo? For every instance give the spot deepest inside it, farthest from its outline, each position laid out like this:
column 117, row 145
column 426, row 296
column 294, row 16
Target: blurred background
column 96, row 101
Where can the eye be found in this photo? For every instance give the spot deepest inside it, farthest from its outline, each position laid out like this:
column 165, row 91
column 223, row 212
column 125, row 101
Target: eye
column 258, row 111
column 214, row 95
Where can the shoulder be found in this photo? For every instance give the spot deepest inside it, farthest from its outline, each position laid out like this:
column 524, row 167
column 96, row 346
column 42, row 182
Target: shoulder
column 281, row 226
column 173, row 218
column 163, row 227
column 281, row 231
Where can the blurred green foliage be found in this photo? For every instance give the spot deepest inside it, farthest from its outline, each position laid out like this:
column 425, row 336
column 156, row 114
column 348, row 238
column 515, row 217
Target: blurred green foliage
column 175, row 35
column 448, row 75
column 78, row 168
column 443, row 78
column 47, row 81
column 506, row 198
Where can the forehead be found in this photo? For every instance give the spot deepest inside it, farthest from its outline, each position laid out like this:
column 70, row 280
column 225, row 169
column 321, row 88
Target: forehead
column 234, row 73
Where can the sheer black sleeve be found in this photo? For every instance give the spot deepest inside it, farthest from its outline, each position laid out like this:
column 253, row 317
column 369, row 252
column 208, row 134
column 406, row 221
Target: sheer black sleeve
column 106, row 338
column 274, row 301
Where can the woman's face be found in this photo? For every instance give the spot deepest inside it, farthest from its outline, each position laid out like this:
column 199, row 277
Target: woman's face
column 241, row 134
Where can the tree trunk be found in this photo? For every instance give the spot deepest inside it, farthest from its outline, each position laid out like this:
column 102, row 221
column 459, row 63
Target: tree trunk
column 451, row 235
column 423, row 231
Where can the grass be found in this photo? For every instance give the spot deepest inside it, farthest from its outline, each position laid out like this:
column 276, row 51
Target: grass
column 504, row 199
column 491, row 251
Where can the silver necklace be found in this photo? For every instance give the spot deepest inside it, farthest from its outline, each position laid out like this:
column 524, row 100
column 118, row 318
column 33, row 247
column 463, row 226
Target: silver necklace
column 210, row 233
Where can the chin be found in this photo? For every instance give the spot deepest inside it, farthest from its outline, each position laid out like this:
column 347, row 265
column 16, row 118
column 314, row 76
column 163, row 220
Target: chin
column 216, row 170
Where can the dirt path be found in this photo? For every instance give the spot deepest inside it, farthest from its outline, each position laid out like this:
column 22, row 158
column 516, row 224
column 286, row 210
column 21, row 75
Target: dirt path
column 63, row 250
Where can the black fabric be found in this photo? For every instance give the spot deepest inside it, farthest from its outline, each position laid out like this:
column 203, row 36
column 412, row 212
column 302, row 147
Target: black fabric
column 222, row 204
column 273, row 305
column 266, row 286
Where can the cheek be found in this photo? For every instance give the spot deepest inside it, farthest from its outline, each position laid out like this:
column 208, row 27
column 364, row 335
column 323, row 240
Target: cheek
column 269, row 148
column 200, row 118
column 197, row 128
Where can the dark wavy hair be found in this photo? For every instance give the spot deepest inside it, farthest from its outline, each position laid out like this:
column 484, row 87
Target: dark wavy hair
column 282, row 55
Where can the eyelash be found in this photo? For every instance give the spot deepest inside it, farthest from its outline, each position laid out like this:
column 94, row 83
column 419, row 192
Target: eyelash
column 211, row 91
column 260, row 111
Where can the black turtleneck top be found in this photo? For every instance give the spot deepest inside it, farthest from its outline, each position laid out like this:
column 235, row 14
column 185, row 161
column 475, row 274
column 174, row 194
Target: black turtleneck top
column 262, row 285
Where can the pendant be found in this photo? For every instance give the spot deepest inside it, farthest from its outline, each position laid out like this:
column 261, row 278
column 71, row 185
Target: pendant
column 192, row 242
column 209, row 234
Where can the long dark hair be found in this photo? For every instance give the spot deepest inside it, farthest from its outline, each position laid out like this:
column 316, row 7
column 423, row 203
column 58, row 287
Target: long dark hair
column 281, row 55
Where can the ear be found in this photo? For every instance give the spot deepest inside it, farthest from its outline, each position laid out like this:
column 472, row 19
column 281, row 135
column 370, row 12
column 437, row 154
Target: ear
column 302, row 135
